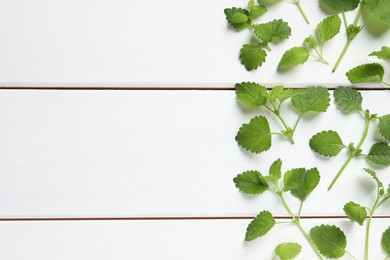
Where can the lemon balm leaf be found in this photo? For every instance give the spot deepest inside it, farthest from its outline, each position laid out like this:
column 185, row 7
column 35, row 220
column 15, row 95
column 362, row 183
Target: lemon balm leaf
column 260, row 226
column 348, row 99
column 255, row 136
column 293, row 57
column 383, row 54
column 337, row 6
column 330, row 240
column 288, row 250
column 251, row 182
column 379, row 9
column 251, row 94
column 355, row 212
column 379, row 154
column 328, row 28
column 238, row 18
column 327, row 143
column 312, row 99
column 252, row 56
column 372, row 72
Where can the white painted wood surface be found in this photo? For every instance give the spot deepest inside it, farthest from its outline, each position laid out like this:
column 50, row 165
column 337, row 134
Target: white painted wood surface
column 159, row 154
column 165, row 240
column 164, row 43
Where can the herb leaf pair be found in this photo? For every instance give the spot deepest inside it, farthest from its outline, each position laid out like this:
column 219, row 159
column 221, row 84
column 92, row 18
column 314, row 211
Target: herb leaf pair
column 371, row 72
column 252, row 55
column 326, row 30
column 256, row 136
column 380, row 9
column 325, row 240
column 359, row 214
column 329, row 143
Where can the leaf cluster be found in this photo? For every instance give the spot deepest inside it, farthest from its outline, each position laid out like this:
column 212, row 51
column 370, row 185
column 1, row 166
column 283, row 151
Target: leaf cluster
column 378, row 9
column 329, row 143
column 325, row 31
column 252, row 55
column 360, row 214
column 256, row 136
column 371, row 72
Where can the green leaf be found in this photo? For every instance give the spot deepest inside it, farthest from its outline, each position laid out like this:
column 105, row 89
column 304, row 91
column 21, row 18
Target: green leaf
column 260, row 226
column 328, row 28
column 327, row 143
column 256, row 11
column 375, row 177
column 275, row 172
column 276, row 29
column 353, row 31
column 372, row 72
column 293, row 178
column 309, row 182
column 337, row 6
column 355, row 212
column 293, row 57
column 312, row 99
column 251, row 182
column 348, row 99
column 379, row 9
column 287, row 251
column 275, row 94
column 379, row 154
column 255, row 136
column 238, row 18
column 251, row 94
column 330, row 240
column 311, row 42
column 383, row 54
column 252, row 56
column 384, row 126
column 385, row 242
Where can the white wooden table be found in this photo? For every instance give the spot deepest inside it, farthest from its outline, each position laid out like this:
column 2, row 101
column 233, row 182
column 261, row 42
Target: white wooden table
column 117, row 125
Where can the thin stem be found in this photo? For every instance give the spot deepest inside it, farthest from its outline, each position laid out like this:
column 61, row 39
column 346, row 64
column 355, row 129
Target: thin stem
column 386, row 83
column 368, row 228
column 345, row 21
column 297, row 122
column 341, row 55
column 352, row 155
column 359, row 14
column 297, row 223
column 300, row 209
column 320, row 57
column 350, row 255
column 340, row 172
column 298, row 4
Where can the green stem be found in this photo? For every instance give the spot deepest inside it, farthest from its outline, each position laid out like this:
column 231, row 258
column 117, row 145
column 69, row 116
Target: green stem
column 345, row 21
column 298, row 4
column 350, row 255
column 341, row 55
column 298, row 224
column 290, row 137
column 352, row 155
column 386, row 83
column 368, row 228
column 320, row 57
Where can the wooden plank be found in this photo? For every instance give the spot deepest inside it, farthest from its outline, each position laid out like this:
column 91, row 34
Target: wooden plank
column 165, row 240
column 173, row 43
column 159, row 154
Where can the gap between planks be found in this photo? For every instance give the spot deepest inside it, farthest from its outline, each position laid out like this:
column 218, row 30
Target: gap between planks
column 169, row 218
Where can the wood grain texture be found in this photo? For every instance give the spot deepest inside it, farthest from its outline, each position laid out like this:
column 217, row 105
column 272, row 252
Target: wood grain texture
column 53, row 43
column 159, row 154
column 145, row 240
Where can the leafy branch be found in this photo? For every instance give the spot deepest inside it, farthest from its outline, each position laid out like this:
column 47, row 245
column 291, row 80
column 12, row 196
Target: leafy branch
column 372, row 72
column 325, row 240
column 325, row 31
column 358, row 214
column 255, row 136
column 329, row 143
column 252, row 55
column 378, row 9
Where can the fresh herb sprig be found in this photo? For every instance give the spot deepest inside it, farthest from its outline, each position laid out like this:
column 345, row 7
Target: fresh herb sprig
column 359, row 214
column 325, row 31
column 379, row 9
column 371, row 72
column 329, row 143
column 255, row 136
column 252, row 55
column 325, row 240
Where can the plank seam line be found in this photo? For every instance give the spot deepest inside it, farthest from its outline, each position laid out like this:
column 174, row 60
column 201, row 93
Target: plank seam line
column 153, row 88
column 168, row 218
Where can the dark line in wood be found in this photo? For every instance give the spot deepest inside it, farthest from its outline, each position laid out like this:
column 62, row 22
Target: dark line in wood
column 153, row 88
column 168, row 218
